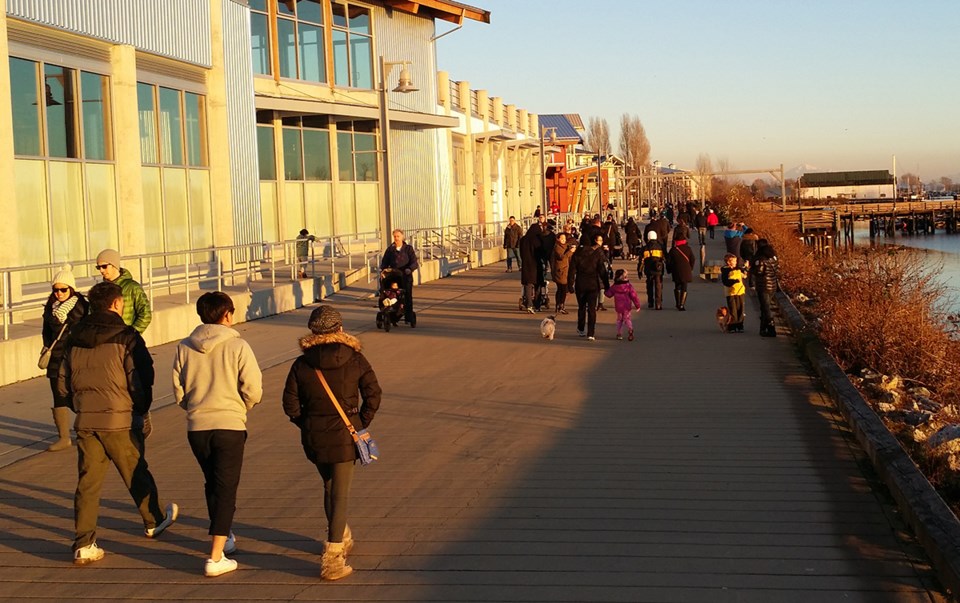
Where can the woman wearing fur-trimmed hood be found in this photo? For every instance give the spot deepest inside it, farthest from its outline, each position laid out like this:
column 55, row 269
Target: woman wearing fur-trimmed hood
column 326, row 440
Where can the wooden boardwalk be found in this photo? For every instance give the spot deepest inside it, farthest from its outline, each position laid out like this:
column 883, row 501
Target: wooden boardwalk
column 687, row 465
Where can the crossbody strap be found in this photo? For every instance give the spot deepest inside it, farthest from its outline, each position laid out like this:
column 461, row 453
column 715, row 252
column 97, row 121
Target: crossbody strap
column 343, row 415
column 60, row 334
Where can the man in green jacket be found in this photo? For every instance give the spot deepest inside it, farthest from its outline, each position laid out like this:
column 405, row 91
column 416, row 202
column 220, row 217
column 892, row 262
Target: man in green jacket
column 136, row 304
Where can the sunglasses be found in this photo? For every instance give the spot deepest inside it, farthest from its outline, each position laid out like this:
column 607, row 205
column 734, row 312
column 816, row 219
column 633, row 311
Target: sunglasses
column 101, row 266
column 59, row 290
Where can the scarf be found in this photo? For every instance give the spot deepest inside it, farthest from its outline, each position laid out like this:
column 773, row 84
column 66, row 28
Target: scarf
column 62, row 309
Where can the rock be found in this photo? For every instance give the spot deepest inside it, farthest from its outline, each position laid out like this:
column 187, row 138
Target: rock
column 919, row 392
column 927, row 404
column 948, row 438
column 889, row 397
column 950, row 411
column 802, row 298
column 869, row 376
column 890, row 383
column 886, row 407
column 919, row 436
column 953, row 461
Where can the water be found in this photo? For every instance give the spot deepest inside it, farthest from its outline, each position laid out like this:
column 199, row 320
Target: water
column 940, row 252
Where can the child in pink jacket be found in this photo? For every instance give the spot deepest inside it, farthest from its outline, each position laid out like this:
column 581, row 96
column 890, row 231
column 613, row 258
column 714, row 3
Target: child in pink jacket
column 624, row 296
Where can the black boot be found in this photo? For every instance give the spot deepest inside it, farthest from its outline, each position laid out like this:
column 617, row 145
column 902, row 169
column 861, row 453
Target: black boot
column 683, row 301
column 676, row 297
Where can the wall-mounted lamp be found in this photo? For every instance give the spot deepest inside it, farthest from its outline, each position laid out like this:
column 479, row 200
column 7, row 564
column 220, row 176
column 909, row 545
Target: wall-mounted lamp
column 474, row 192
column 520, row 193
column 531, row 193
column 492, row 192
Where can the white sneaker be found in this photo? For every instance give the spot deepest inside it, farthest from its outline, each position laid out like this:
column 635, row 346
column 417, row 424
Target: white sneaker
column 231, row 546
column 591, row 338
column 88, row 554
column 218, row 568
column 172, row 511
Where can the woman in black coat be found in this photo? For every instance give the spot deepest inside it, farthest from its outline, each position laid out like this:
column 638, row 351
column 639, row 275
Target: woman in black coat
column 325, row 438
column 680, row 262
column 633, row 236
column 63, row 310
column 531, row 264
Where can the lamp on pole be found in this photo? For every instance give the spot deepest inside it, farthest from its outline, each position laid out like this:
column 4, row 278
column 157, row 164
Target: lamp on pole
column 544, row 202
column 404, row 85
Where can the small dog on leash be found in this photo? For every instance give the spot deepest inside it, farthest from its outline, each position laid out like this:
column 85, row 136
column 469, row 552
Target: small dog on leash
column 723, row 318
column 548, row 326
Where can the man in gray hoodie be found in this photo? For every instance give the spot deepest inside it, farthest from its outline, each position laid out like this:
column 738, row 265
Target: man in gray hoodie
column 216, row 379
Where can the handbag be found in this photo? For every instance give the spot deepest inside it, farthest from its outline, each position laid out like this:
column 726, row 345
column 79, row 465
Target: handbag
column 367, row 448
column 47, row 351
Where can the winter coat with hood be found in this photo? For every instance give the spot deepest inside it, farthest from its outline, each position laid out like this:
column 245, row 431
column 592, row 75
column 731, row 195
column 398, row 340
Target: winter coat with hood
column 106, row 374
column 216, row 378
column 136, row 304
column 680, row 262
column 632, row 230
column 531, row 254
column 324, row 437
column 52, row 325
column 560, row 263
column 624, row 296
column 587, row 268
column 765, row 269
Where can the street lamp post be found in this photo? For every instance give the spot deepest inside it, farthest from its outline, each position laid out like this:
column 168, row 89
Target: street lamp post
column 404, row 85
column 544, row 202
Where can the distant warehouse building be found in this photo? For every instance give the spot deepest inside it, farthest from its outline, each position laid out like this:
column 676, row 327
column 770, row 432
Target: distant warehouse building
column 861, row 186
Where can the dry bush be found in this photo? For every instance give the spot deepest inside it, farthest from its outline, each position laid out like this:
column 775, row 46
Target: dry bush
column 800, row 269
column 882, row 313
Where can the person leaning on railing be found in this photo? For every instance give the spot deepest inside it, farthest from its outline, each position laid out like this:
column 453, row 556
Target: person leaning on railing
column 401, row 256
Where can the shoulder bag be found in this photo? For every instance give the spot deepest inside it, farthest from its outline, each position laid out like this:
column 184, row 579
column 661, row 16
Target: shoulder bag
column 47, row 351
column 366, row 446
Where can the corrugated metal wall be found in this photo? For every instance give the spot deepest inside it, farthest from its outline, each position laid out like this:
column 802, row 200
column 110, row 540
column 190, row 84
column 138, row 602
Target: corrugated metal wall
column 179, row 29
column 404, row 37
column 241, row 119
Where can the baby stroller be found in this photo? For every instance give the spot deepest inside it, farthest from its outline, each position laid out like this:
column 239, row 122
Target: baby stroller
column 541, row 297
column 392, row 303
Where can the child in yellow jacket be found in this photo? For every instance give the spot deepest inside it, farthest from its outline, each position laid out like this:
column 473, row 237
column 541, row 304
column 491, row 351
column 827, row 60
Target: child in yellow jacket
column 732, row 278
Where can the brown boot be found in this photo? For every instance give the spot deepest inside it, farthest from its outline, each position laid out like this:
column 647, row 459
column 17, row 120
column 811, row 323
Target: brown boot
column 61, row 418
column 347, row 540
column 334, row 566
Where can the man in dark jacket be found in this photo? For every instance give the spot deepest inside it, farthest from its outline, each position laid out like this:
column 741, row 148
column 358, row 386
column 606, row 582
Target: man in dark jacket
column 511, row 242
column 401, row 256
column 107, row 376
column 765, row 269
column 651, row 265
column 587, row 269
column 700, row 220
column 531, row 268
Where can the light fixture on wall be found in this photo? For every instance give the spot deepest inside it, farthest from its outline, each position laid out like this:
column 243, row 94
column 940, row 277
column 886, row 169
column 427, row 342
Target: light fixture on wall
column 474, row 192
column 492, row 192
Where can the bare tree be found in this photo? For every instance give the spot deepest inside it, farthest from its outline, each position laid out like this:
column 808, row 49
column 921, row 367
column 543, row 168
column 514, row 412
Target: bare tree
column 634, row 145
column 910, row 181
column 703, row 170
column 947, row 184
column 759, row 189
column 598, row 136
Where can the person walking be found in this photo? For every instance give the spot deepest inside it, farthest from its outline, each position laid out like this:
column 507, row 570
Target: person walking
column 632, row 230
column 326, row 441
column 511, row 242
column 650, row 266
column 63, row 310
column 560, row 269
column 107, row 377
column 700, row 221
column 304, row 244
column 765, row 269
column 733, row 238
column 732, row 278
column 587, row 270
column 401, row 256
column 680, row 263
column 624, row 301
column 531, row 267
column 216, row 379
column 712, row 222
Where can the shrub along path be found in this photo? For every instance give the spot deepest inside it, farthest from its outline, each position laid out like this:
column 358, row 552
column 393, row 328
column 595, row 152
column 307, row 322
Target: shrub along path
column 687, row 465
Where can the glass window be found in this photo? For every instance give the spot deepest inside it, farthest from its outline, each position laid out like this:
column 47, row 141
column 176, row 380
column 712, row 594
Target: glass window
column 268, row 211
column 310, row 10
column 287, row 47
column 152, row 209
column 61, row 112
column 292, row 154
column 316, row 154
column 365, row 155
column 67, row 211
column 345, row 155
column 260, row 39
column 341, row 62
column 171, row 132
column 96, row 116
column 260, row 5
column 361, row 59
column 175, row 210
column 311, row 53
column 30, row 191
column 148, row 123
column 339, row 14
column 359, row 19
column 201, row 219
column 266, row 155
column 102, row 227
column 195, row 133
column 286, row 7
column 26, row 107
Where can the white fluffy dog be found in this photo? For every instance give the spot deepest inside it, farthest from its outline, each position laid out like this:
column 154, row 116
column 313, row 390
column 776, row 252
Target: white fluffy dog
column 548, row 326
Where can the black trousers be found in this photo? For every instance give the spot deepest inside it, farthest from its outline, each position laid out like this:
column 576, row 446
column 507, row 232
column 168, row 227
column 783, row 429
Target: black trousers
column 337, row 478
column 766, row 312
column 220, row 454
column 587, row 310
column 560, row 297
column 408, row 295
column 655, row 290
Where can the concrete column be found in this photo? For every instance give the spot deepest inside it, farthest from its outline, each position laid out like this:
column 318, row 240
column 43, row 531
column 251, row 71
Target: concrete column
column 218, row 139
column 443, row 90
column 464, row 88
column 482, row 103
column 523, row 122
column 497, row 110
column 126, row 123
column 10, row 250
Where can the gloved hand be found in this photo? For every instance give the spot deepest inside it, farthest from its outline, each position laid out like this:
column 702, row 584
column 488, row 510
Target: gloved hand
column 407, row 271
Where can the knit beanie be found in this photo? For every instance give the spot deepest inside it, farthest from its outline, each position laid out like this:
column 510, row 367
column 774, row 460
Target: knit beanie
column 325, row 320
column 65, row 277
column 109, row 256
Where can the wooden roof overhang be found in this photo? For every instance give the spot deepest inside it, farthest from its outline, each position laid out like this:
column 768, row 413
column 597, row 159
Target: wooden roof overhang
column 445, row 10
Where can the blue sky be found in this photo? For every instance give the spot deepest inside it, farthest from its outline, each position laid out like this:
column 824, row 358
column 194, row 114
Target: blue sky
column 836, row 85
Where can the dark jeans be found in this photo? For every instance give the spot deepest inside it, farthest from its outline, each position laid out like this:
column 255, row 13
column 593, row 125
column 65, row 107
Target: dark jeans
column 58, row 400
column 220, row 455
column 513, row 252
column 766, row 304
column 702, row 233
column 337, row 478
column 408, row 294
column 735, row 306
column 587, row 310
column 560, row 297
column 655, row 290
column 680, row 287
column 711, row 230
column 95, row 451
